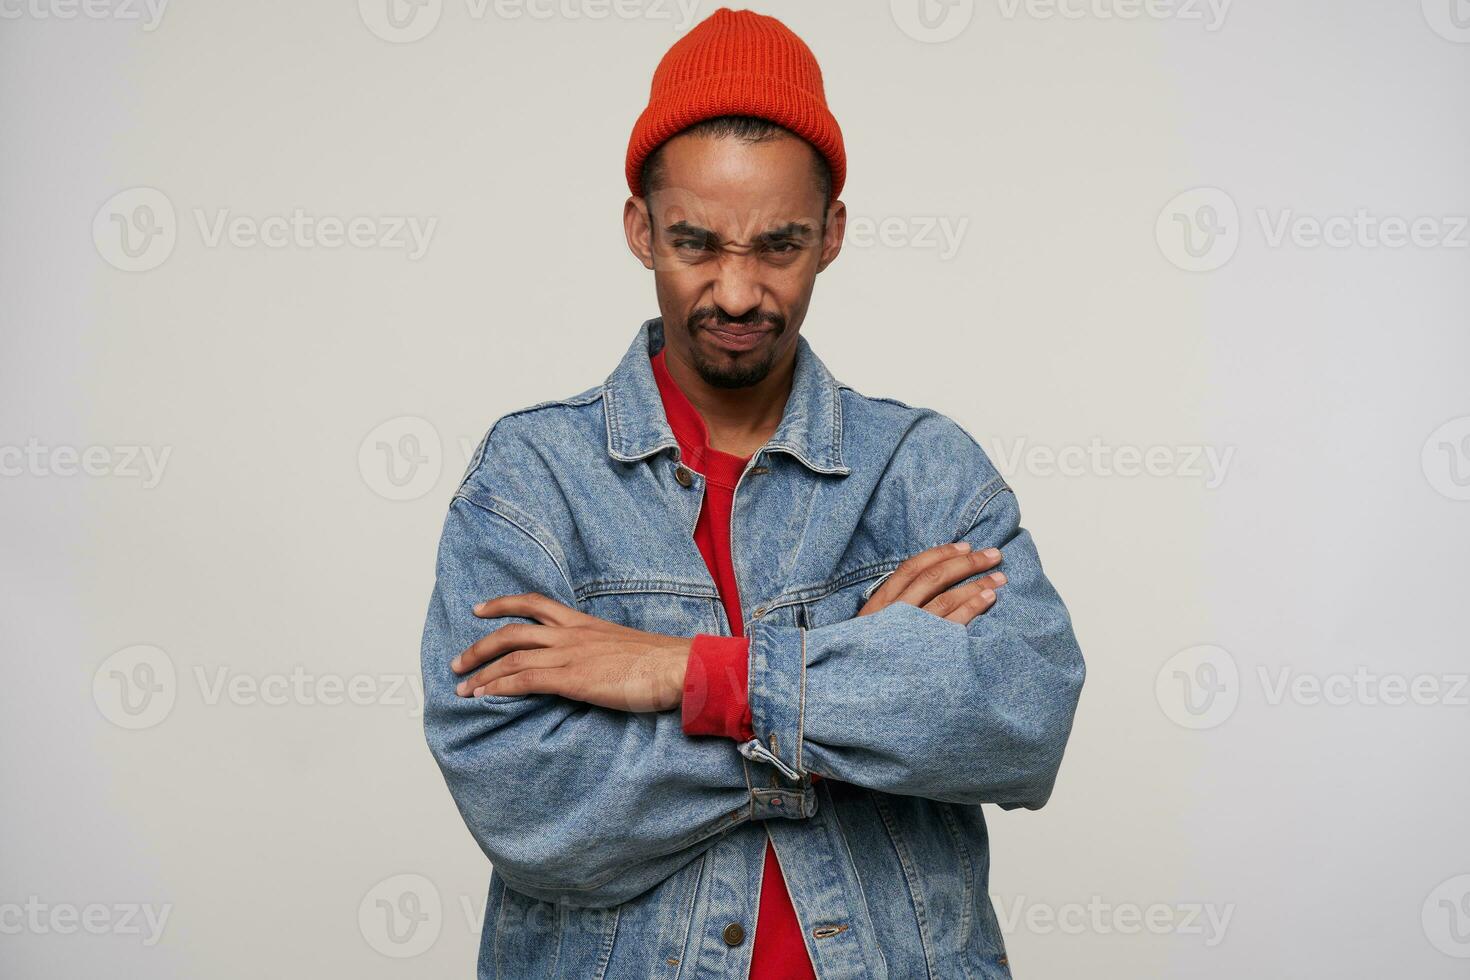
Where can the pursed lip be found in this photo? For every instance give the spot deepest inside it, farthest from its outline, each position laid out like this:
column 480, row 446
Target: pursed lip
column 737, row 330
column 738, row 338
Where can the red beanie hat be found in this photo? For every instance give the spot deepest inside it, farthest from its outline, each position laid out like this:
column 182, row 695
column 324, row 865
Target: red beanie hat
column 737, row 62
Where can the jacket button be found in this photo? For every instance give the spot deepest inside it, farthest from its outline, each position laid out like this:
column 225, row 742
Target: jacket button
column 734, row 934
column 683, row 476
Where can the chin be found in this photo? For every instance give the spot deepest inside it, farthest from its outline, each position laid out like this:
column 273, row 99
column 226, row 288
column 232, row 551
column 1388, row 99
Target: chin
column 728, row 371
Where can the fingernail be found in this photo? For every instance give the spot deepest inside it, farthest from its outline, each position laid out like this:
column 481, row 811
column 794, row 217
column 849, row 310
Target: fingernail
column 962, row 546
column 992, row 552
column 454, row 665
column 999, row 578
column 479, row 691
column 479, row 608
column 987, row 595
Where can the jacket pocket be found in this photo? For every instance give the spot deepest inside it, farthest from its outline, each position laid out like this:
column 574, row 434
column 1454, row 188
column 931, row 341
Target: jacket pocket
column 654, row 611
column 559, row 942
column 841, row 599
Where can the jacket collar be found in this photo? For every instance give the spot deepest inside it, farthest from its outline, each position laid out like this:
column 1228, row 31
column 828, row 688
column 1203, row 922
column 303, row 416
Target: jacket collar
column 810, row 428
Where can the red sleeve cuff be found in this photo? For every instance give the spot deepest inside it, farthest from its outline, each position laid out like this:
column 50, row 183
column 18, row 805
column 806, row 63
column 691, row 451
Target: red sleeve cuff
column 716, row 701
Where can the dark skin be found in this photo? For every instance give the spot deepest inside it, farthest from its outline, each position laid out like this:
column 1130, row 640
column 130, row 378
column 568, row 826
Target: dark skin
column 735, row 236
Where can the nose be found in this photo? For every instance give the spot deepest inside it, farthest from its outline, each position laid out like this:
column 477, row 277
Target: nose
column 736, row 289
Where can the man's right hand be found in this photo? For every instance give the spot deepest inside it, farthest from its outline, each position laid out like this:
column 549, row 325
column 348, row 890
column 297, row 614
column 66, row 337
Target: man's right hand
column 927, row 580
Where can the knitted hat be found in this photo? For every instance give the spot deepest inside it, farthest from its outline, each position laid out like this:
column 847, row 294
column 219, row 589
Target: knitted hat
column 737, row 62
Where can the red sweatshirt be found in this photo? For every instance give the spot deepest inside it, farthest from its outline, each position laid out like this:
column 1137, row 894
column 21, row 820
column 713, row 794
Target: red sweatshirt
column 716, row 701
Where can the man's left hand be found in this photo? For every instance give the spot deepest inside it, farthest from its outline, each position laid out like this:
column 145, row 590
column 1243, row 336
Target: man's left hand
column 574, row 655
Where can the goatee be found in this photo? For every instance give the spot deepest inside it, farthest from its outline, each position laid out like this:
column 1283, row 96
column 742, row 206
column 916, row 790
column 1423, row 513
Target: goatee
column 747, row 370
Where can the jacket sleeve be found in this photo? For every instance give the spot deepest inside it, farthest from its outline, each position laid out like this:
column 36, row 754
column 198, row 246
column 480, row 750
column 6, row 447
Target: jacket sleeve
column 571, row 802
column 906, row 702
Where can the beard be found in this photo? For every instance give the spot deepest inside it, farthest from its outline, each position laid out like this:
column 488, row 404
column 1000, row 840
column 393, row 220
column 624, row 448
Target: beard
column 727, row 370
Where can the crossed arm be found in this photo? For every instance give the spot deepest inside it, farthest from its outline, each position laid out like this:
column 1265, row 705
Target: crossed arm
column 569, row 653
column 902, row 699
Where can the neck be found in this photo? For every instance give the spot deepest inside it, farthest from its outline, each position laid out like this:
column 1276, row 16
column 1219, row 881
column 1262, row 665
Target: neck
column 739, row 420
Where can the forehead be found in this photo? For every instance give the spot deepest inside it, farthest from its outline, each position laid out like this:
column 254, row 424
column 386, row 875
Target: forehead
column 737, row 189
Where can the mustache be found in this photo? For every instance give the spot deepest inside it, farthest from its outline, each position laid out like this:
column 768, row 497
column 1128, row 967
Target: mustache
column 713, row 317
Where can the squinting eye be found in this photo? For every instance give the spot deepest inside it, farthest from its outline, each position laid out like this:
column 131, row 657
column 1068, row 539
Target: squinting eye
column 782, row 247
column 688, row 243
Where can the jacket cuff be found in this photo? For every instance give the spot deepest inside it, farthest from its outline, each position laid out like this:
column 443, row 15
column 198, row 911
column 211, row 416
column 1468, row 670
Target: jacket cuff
column 715, row 687
column 777, row 685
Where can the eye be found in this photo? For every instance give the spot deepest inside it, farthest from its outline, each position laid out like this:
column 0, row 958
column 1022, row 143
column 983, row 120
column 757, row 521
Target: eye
column 783, row 249
column 689, row 243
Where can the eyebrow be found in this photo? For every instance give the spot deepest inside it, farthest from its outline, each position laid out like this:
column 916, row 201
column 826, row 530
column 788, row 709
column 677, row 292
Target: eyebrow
column 791, row 231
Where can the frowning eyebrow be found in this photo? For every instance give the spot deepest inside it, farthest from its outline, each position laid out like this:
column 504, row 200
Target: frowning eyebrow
column 792, row 231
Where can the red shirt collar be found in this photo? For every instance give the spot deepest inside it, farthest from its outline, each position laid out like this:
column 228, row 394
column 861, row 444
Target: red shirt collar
column 693, row 436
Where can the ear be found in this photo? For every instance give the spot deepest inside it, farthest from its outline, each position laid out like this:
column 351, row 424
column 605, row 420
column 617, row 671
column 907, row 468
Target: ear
column 637, row 225
column 832, row 238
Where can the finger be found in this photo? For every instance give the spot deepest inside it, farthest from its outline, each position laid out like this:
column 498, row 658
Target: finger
column 951, row 599
column 935, row 578
column 532, row 605
column 515, row 662
column 900, row 577
column 982, row 603
column 972, row 608
column 538, row 680
column 512, row 636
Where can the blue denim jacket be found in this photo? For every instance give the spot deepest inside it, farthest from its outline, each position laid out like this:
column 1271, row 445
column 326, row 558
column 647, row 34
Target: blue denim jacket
column 622, row 848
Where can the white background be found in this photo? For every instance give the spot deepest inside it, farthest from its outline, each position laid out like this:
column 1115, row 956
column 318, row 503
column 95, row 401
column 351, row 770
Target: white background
column 1327, row 831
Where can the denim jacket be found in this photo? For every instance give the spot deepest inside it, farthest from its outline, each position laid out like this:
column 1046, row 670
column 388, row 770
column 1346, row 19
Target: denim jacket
column 623, row 849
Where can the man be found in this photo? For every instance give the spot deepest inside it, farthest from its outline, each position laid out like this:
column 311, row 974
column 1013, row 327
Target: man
column 723, row 656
